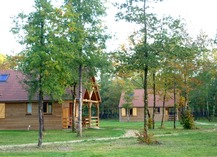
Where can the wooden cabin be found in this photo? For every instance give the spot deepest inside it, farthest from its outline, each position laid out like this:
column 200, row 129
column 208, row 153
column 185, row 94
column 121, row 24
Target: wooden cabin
column 136, row 112
column 18, row 112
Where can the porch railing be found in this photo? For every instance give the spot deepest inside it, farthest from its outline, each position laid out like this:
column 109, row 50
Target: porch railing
column 94, row 122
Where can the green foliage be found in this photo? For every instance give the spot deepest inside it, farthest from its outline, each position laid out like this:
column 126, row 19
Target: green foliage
column 144, row 138
column 187, row 120
column 150, row 123
column 3, row 62
column 88, row 34
column 110, row 92
column 42, row 60
column 128, row 95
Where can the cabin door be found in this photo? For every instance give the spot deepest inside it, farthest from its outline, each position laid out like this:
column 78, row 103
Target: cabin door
column 65, row 120
column 70, row 114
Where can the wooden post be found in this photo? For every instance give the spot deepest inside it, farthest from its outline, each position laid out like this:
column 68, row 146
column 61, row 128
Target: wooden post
column 89, row 113
column 97, row 106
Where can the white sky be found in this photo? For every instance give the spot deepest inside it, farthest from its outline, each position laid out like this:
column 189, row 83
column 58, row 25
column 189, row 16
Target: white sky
column 200, row 14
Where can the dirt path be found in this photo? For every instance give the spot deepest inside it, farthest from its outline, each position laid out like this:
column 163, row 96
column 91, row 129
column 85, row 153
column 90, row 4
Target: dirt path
column 202, row 123
column 129, row 133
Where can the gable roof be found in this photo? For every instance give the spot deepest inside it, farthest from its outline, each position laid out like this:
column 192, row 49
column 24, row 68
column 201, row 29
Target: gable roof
column 12, row 90
column 138, row 100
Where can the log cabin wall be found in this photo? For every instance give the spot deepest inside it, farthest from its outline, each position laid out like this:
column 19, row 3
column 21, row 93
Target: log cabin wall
column 16, row 117
column 139, row 117
column 136, row 118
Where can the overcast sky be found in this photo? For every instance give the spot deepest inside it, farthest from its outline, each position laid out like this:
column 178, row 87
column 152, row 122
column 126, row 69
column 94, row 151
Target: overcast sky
column 200, row 14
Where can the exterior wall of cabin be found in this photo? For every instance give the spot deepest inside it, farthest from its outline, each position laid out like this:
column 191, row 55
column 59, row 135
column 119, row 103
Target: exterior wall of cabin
column 139, row 116
column 17, row 118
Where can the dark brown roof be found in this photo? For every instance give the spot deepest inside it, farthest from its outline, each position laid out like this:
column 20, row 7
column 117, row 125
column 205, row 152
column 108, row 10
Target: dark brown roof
column 138, row 100
column 12, row 90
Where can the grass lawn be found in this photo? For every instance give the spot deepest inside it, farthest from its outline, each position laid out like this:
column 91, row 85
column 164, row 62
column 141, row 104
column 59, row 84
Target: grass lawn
column 173, row 142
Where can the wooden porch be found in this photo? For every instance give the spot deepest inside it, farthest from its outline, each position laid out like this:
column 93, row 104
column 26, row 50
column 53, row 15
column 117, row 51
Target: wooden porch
column 86, row 122
column 90, row 109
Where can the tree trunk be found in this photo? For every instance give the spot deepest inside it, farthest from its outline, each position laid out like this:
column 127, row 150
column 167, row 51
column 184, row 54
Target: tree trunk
column 174, row 92
column 145, row 101
column 186, row 93
column 148, row 113
column 40, row 114
column 145, row 74
column 40, row 101
column 128, row 116
column 154, row 105
column 80, row 102
column 164, row 99
column 213, row 110
column 73, row 107
column 207, row 109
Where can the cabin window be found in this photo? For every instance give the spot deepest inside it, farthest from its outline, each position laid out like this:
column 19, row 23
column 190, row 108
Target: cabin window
column 29, row 108
column 3, row 77
column 47, row 107
column 133, row 112
column 2, row 110
column 157, row 109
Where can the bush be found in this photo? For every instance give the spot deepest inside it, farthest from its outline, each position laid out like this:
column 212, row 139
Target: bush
column 142, row 138
column 187, row 120
column 150, row 123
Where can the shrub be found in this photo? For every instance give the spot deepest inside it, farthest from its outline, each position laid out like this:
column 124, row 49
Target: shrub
column 150, row 123
column 187, row 120
column 147, row 139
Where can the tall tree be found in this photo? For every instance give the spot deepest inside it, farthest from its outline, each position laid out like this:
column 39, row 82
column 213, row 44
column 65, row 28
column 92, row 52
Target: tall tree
column 135, row 11
column 42, row 63
column 4, row 62
column 89, row 39
column 9, row 62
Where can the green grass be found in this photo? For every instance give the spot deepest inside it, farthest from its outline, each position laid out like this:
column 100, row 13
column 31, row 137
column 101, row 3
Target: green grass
column 9, row 137
column 177, row 142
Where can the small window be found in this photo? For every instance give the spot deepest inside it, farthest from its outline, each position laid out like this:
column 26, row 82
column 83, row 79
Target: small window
column 3, row 77
column 133, row 111
column 47, row 107
column 29, row 108
column 157, row 109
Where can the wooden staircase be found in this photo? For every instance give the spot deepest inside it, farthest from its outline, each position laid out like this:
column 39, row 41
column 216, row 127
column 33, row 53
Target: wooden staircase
column 171, row 118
